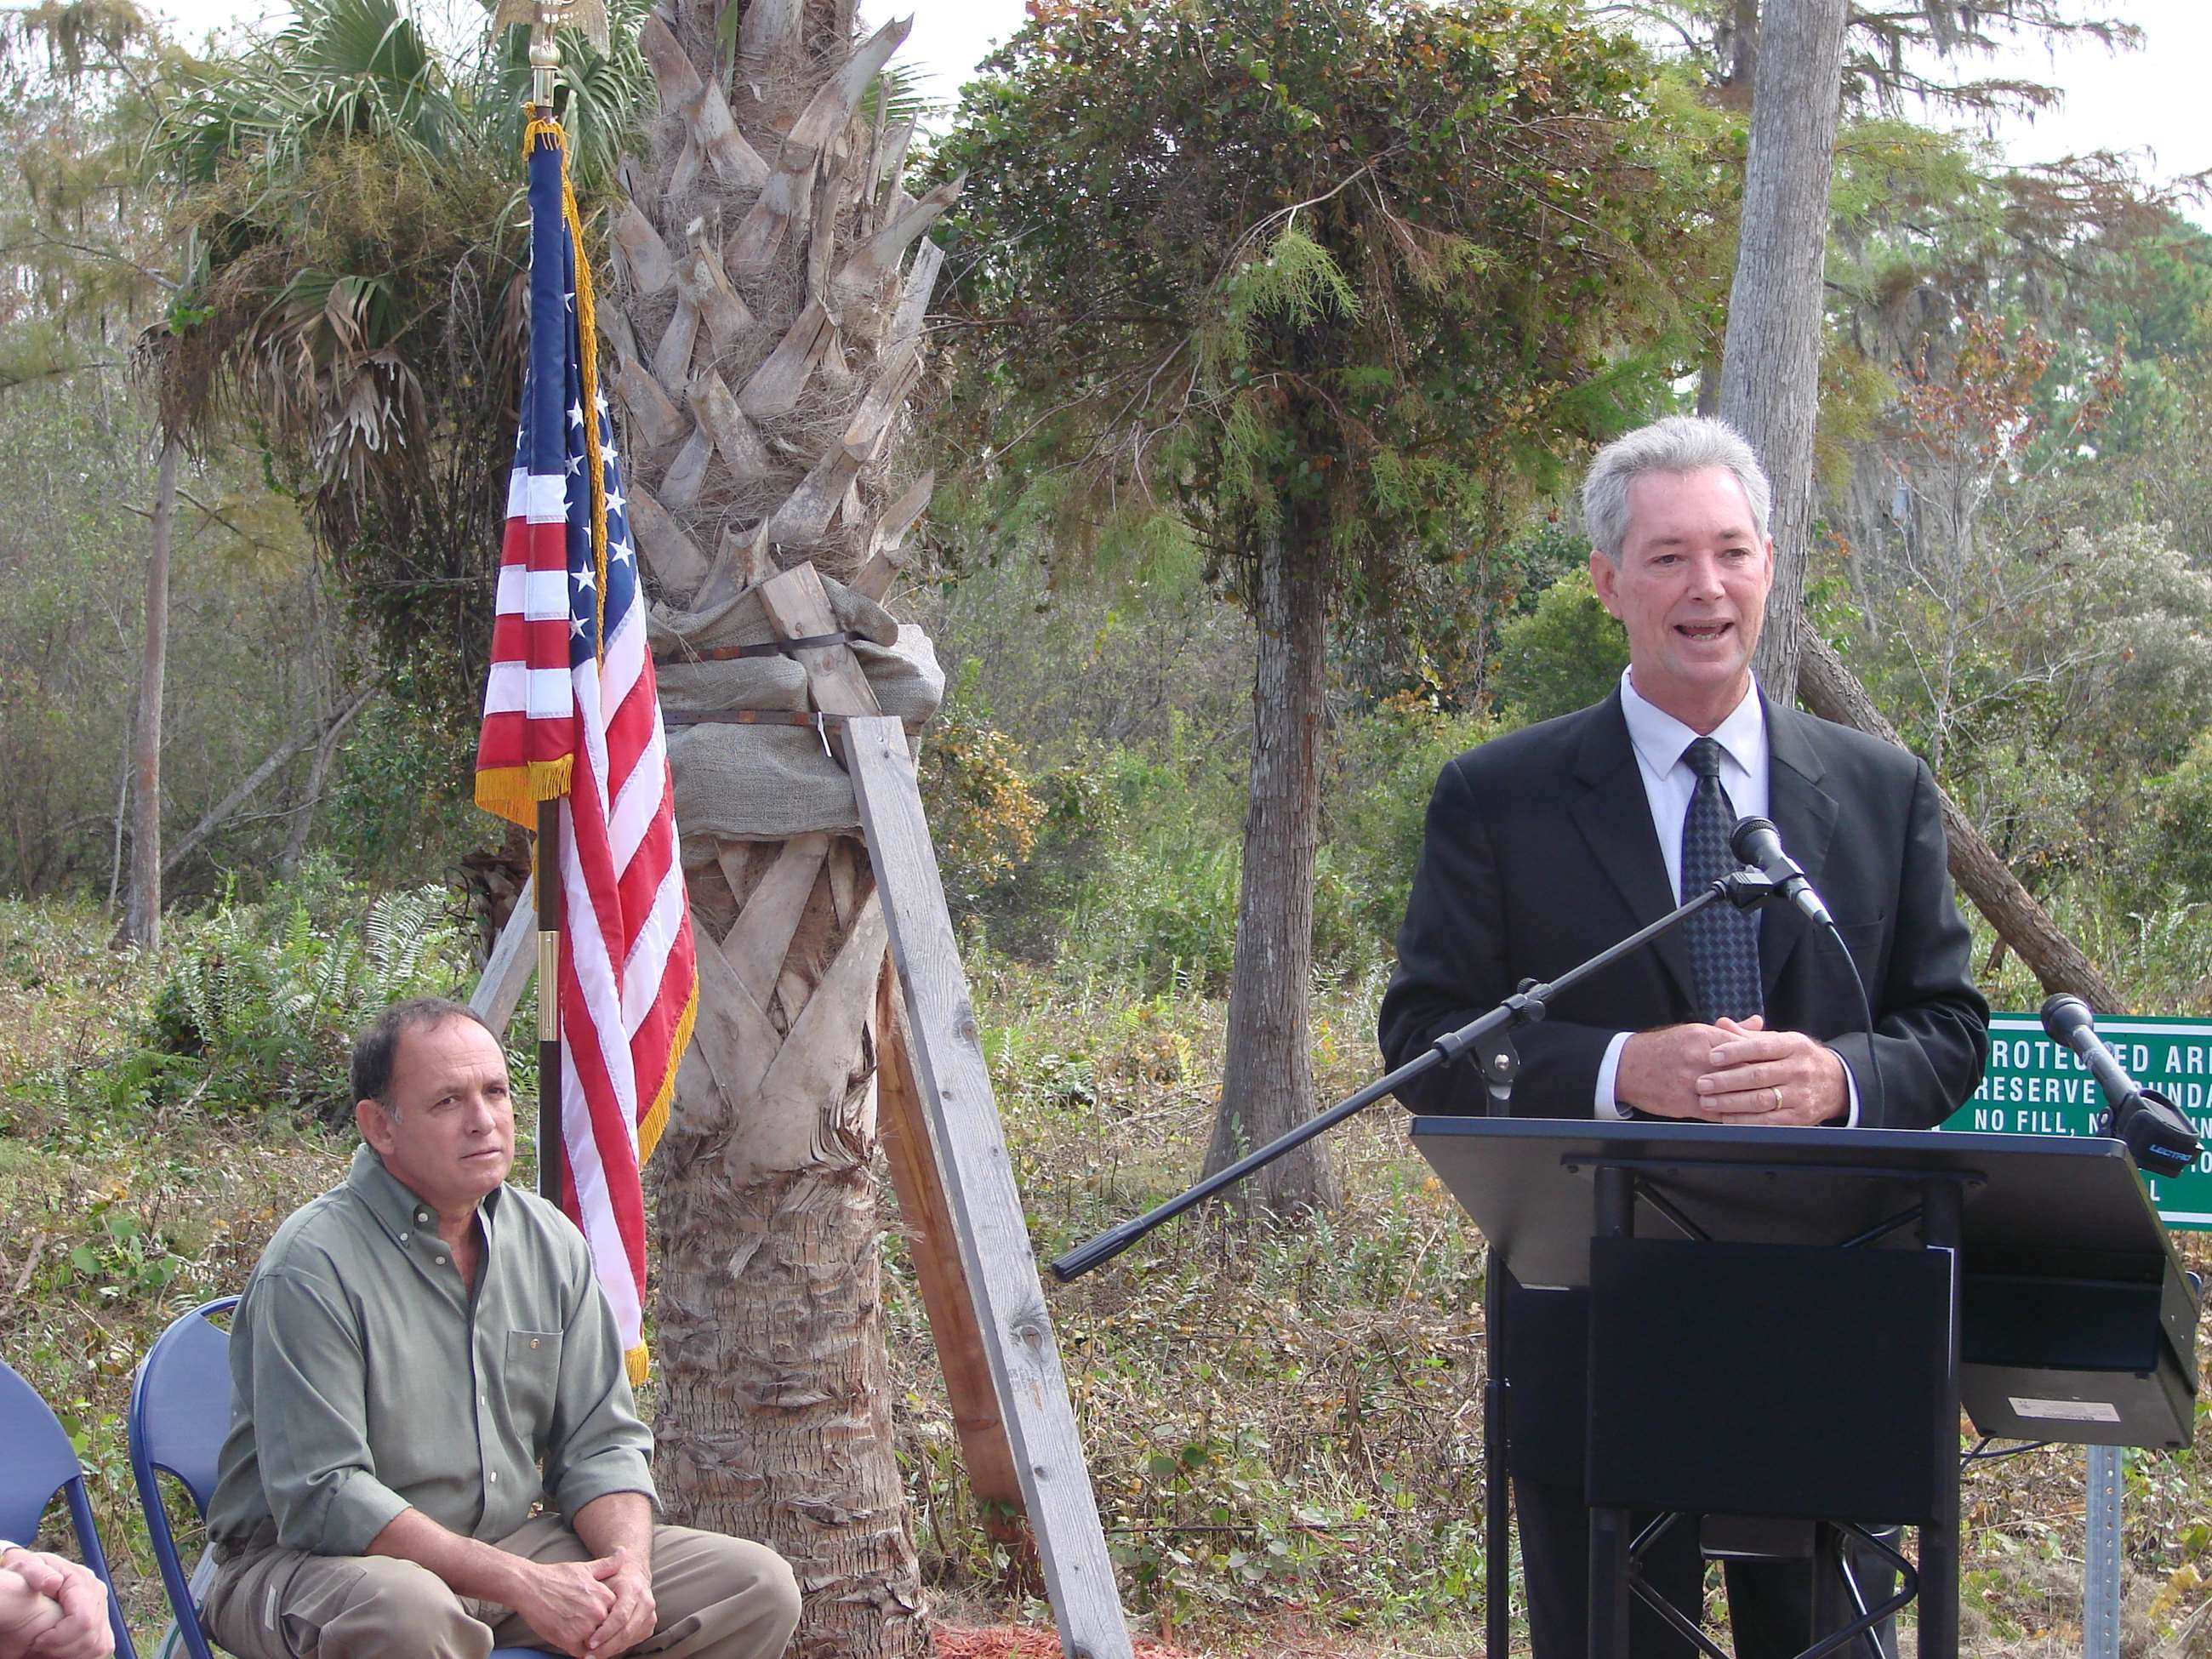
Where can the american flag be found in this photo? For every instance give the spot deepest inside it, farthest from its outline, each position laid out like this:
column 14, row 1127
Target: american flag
column 570, row 711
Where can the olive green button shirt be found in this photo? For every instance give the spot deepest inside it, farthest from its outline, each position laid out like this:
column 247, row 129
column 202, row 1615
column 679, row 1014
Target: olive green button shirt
column 366, row 1379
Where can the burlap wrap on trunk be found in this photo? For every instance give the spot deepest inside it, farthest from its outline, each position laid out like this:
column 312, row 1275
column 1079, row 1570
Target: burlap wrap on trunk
column 772, row 782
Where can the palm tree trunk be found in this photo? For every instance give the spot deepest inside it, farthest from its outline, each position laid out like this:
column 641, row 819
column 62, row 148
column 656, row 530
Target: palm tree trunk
column 765, row 338
column 1266, row 1084
column 775, row 1414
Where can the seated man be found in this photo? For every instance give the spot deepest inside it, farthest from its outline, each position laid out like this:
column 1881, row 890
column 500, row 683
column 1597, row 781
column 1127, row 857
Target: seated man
column 51, row 1608
column 422, row 1359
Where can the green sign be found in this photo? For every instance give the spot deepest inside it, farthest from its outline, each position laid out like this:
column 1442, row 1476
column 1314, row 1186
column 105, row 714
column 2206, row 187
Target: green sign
column 2035, row 1087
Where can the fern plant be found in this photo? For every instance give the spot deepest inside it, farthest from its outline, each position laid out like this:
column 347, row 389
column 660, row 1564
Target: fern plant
column 265, row 998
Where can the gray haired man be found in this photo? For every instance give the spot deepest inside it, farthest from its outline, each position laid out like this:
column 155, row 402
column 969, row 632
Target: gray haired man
column 1548, row 844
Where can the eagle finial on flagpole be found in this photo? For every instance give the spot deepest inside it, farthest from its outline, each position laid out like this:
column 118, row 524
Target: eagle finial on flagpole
column 544, row 17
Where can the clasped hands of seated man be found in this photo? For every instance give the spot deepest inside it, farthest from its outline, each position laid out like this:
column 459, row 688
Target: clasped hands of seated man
column 1733, row 1072
column 589, row 1609
column 598, row 1609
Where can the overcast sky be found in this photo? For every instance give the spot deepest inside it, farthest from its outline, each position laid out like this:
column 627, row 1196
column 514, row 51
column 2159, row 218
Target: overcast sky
column 2150, row 103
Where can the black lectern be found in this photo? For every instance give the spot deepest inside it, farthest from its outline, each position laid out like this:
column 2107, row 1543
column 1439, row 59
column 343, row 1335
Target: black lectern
column 1865, row 1284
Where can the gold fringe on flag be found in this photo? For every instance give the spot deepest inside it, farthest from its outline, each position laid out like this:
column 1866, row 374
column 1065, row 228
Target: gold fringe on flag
column 513, row 791
column 656, row 1117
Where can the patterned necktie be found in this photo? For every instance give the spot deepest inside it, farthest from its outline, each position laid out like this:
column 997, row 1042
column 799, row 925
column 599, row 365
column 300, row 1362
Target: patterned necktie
column 1723, row 940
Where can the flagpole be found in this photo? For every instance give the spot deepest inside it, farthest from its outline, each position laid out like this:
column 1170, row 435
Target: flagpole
column 552, row 1150
column 552, row 763
column 552, row 1155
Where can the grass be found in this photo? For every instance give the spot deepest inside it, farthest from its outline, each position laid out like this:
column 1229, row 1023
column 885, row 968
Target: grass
column 1281, row 1423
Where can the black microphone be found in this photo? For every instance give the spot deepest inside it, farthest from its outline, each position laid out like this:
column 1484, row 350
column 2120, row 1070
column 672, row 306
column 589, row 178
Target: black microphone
column 2152, row 1127
column 1757, row 843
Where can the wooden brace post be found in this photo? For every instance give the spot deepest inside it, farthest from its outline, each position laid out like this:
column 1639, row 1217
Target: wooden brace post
column 954, row 1083
column 978, row 1279
column 799, row 608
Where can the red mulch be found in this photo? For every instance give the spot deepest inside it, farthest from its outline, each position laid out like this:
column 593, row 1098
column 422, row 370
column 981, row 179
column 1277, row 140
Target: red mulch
column 1013, row 1642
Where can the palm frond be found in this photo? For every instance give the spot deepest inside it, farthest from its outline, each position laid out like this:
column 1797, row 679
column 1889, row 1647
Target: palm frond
column 343, row 68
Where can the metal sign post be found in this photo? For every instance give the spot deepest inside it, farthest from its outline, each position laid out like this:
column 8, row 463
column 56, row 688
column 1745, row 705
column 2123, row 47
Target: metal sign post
column 2101, row 1570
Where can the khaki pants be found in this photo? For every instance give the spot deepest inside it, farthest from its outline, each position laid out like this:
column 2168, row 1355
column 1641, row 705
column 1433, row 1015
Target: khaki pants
column 717, row 1597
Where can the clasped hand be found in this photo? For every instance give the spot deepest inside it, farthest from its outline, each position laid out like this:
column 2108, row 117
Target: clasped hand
column 55, row 1608
column 1732, row 1071
column 594, row 1609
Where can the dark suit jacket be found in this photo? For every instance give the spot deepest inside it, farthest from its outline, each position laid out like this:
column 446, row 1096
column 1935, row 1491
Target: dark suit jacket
column 1540, row 851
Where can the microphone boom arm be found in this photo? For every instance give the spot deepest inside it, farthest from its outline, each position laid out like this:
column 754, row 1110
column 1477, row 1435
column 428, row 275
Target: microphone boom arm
column 1745, row 889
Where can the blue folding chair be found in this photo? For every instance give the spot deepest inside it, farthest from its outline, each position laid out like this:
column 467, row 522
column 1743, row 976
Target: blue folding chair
column 179, row 1416
column 39, row 1462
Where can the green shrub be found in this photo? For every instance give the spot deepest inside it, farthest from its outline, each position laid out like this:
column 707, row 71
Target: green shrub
column 1389, row 760
column 2175, row 835
column 403, row 798
column 983, row 810
column 1160, row 914
column 261, row 1000
column 1564, row 655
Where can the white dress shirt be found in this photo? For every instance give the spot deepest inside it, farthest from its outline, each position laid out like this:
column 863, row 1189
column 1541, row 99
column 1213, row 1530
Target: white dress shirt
column 1660, row 741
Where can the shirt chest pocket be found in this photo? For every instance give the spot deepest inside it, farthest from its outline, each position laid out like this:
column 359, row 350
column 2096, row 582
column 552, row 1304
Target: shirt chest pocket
column 533, row 1374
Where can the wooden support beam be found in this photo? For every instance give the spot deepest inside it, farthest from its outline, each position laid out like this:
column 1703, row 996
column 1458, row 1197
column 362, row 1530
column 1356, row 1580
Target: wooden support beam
column 499, row 993
column 798, row 608
column 947, row 1153
column 954, row 1083
column 917, row 1177
column 756, row 945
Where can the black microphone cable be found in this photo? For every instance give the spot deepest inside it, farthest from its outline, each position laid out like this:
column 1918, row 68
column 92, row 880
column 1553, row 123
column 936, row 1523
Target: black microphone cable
column 1866, row 1016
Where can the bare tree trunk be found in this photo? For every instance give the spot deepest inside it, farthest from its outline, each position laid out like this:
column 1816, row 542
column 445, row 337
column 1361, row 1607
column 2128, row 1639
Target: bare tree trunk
column 1769, row 380
column 303, row 820
column 221, row 812
column 1770, row 361
column 142, row 918
column 1831, row 691
column 1743, row 44
column 1267, row 1084
column 122, row 816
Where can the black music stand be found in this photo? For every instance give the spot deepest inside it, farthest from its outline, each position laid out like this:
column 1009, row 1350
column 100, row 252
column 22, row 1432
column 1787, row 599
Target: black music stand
column 1874, row 1280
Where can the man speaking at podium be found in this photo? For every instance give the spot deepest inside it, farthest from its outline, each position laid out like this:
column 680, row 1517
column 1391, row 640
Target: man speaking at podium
column 1545, row 846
